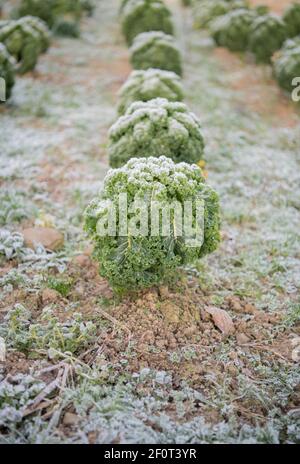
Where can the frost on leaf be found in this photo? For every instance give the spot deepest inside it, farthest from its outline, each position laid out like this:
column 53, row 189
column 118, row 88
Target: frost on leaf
column 156, row 128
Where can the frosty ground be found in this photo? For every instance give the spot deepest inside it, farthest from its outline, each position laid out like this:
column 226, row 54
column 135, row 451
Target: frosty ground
column 83, row 366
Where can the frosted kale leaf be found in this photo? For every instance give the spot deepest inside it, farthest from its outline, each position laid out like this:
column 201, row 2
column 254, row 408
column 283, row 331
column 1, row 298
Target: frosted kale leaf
column 41, row 28
column 40, row 8
column 286, row 64
column 233, row 29
column 147, row 85
column 155, row 50
column 7, row 70
column 23, row 43
column 156, row 128
column 145, row 15
column 267, row 34
column 291, row 17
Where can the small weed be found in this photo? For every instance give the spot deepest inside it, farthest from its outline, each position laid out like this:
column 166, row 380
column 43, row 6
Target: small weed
column 62, row 285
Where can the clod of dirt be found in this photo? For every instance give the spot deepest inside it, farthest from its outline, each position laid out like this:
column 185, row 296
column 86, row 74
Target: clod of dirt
column 242, row 338
column 51, row 239
column 82, row 260
column 49, row 296
column 70, row 419
column 235, row 304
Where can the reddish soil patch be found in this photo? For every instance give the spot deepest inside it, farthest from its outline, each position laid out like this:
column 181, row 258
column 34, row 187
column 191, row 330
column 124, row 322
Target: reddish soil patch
column 257, row 91
column 277, row 6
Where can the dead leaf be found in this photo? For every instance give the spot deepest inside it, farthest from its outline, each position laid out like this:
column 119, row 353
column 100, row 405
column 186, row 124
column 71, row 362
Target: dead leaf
column 221, row 319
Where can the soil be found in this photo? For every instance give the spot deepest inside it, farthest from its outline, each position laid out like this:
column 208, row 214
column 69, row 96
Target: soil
column 277, row 6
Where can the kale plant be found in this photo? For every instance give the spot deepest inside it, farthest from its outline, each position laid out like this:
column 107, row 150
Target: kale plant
column 51, row 11
column 147, row 85
column 7, row 69
column 291, row 17
column 23, row 43
column 156, row 128
column 155, row 50
column 267, row 34
column 135, row 259
column 233, row 29
column 42, row 9
column 286, row 64
column 207, row 10
column 143, row 16
column 41, row 28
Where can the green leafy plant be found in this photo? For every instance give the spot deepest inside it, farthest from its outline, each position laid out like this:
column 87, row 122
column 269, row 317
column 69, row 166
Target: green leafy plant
column 291, row 17
column 17, row 393
column 155, row 50
column 145, row 15
column 14, row 207
column 88, row 6
column 11, row 244
column 7, row 70
column 267, row 34
column 133, row 262
column 21, row 332
column 156, row 128
column 41, row 8
column 62, row 285
column 51, row 11
column 206, row 11
column 147, row 85
column 66, row 28
column 41, row 28
column 23, row 43
column 262, row 9
column 233, row 29
column 286, row 64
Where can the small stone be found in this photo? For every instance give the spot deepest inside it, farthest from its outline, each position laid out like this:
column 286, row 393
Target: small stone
column 242, row 338
column 70, row 419
column 51, row 239
column 221, row 319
